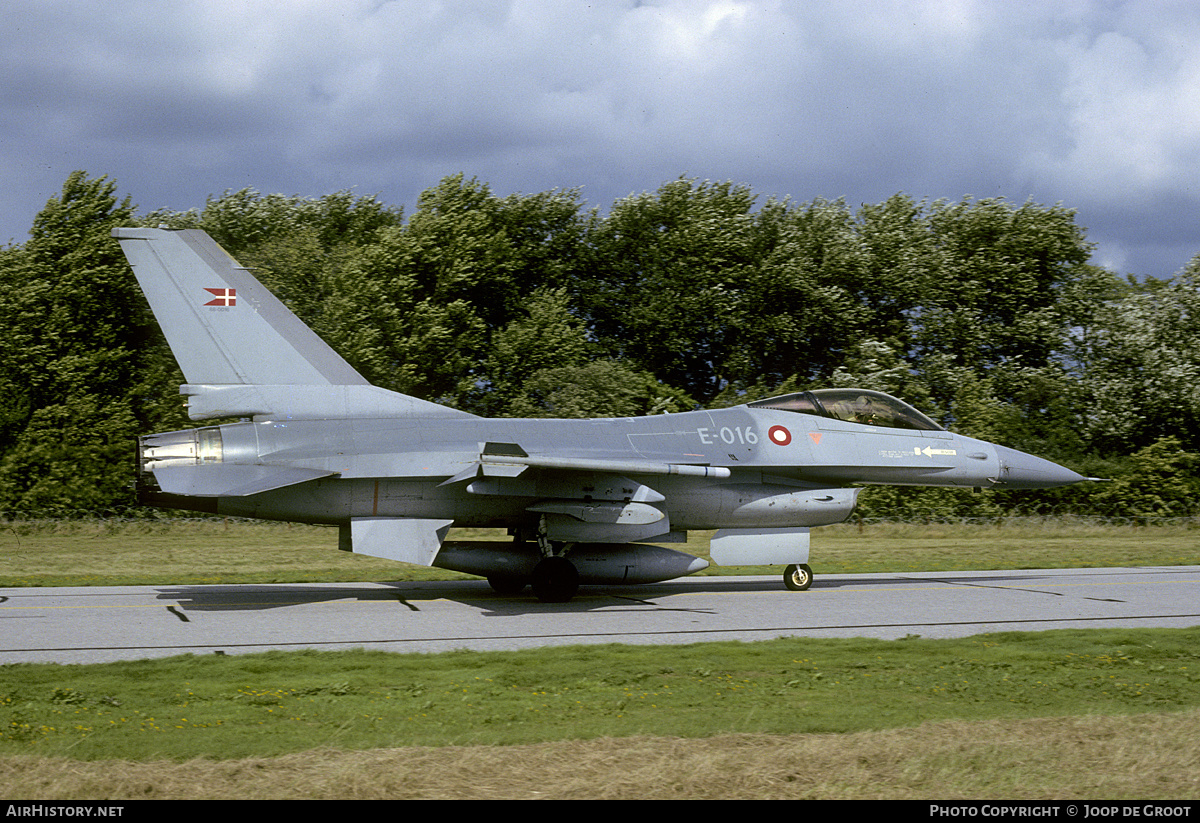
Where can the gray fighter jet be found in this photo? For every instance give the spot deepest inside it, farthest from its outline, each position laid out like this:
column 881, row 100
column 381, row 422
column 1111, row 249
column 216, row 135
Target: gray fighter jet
column 585, row 501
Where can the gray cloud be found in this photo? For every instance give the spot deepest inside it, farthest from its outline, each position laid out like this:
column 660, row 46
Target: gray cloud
column 1092, row 104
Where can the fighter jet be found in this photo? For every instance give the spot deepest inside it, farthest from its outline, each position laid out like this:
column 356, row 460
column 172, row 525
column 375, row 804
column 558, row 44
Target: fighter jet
column 584, row 501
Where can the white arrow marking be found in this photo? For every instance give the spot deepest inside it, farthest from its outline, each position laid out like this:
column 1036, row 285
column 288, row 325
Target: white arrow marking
column 928, row 452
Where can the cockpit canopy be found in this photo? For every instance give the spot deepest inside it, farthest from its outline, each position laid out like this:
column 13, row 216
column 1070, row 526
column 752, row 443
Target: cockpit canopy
column 871, row 408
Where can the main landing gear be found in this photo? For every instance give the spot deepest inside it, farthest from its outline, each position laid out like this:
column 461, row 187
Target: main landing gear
column 797, row 577
column 554, row 578
column 506, row 585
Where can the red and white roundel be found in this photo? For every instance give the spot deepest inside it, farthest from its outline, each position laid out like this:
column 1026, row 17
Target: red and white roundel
column 779, row 435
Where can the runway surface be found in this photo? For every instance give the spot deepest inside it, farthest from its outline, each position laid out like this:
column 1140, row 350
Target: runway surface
column 91, row 625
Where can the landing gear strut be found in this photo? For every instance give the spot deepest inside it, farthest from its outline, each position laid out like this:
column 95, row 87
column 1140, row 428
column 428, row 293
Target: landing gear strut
column 797, row 577
column 555, row 578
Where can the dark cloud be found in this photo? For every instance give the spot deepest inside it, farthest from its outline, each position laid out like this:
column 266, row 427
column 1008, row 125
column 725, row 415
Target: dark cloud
column 1092, row 104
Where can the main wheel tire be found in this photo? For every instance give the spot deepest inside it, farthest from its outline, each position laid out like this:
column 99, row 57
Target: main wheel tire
column 797, row 577
column 555, row 580
column 505, row 585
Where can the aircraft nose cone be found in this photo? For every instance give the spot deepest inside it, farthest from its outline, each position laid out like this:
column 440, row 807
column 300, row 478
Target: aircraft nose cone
column 1024, row 471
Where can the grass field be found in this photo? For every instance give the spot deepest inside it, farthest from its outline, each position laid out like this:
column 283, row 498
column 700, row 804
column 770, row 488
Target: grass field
column 215, row 551
column 1066, row 714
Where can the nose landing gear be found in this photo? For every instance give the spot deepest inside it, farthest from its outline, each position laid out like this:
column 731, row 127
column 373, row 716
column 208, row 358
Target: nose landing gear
column 797, row 577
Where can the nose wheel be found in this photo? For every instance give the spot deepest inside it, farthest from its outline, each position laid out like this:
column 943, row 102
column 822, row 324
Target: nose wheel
column 797, row 577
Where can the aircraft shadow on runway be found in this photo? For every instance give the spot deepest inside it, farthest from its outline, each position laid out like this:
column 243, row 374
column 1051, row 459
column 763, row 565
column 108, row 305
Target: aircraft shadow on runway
column 413, row 595
column 475, row 593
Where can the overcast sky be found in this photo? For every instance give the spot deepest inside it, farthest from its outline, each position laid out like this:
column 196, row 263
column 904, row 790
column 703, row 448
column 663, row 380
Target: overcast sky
column 1087, row 103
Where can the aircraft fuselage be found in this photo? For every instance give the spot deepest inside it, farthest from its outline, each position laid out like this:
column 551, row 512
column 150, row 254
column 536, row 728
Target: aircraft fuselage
column 770, row 468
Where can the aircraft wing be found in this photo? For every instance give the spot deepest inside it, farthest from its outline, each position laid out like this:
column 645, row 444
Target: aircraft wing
column 580, row 499
column 510, row 460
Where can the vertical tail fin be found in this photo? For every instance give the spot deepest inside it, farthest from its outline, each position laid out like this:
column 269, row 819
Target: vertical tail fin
column 222, row 325
column 242, row 351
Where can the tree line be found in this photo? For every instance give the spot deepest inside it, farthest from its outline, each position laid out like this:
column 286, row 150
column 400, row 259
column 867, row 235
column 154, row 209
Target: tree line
column 984, row 314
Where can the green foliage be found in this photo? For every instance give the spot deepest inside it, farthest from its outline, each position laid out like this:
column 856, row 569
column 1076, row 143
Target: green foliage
column 1004, row 282
column 439, row 288
column 241, row 220
column 82, row 366
column 664, row 280
column 601, row 388
column 878, row 366
column 547, row 336
column 802, row 310
column 984, row 314
column 1141, row 365
column 1162, row 480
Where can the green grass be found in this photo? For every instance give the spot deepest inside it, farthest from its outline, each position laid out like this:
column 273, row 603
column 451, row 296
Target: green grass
column 269, row 704
column 221, row 708
column 215, row 551
column 196, row 552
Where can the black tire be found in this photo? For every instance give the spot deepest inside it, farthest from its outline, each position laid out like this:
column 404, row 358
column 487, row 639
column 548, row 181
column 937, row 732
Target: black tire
column 797, row 577
column 555, row 580
column 505, row 585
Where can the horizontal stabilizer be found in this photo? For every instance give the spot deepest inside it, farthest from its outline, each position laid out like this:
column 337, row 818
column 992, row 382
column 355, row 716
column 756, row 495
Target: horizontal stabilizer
column 231, row 479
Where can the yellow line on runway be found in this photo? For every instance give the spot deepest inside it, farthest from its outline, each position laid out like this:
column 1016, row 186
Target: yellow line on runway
column 228, row 603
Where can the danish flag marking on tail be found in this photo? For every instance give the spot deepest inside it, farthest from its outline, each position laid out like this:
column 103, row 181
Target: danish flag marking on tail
column 223, row 297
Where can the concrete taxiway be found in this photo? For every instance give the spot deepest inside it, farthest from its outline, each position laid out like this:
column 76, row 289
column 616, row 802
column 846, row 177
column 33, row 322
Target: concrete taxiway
column 88, row 625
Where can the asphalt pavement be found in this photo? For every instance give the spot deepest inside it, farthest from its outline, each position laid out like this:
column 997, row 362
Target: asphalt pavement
column 86, row 625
